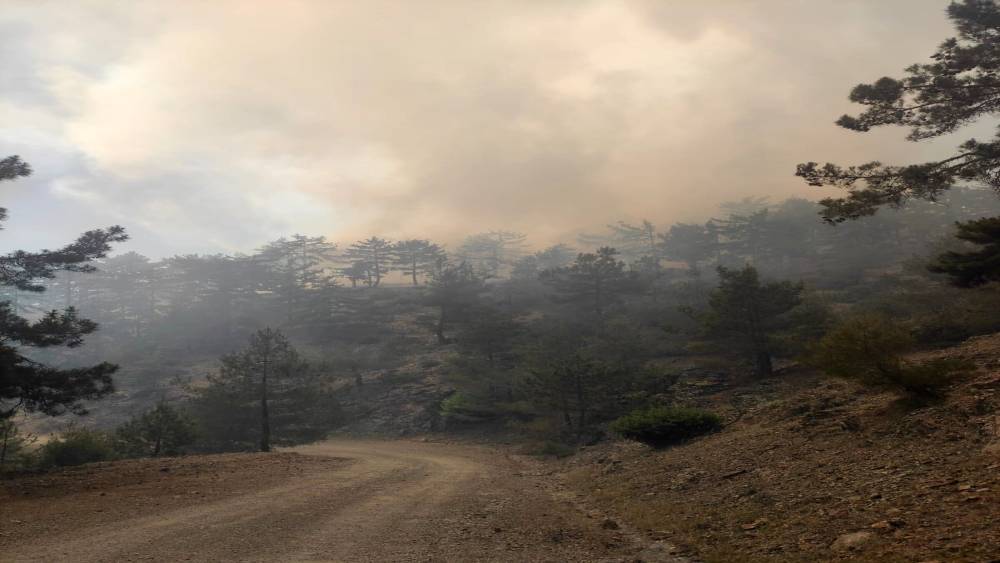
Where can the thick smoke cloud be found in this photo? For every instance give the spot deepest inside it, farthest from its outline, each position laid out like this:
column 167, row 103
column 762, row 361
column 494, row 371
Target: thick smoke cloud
column 215, row 126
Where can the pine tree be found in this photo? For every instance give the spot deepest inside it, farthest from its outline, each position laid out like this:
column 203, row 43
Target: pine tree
column 492, row 252
column 691, row 244
column 975, row 267
column 266, row 394
column 555, row 256
column 580, row 389
column 742, row 237
column 356, row 272
column 299, row 264
column 746, row 311
column 212, row 298
column 162, row 430
column 376, row 254
column 959, row 86
column 416, row 257
column 598, row 280
column 455, row 291
column 530, row 266
column 27, row 384
column 635, row 241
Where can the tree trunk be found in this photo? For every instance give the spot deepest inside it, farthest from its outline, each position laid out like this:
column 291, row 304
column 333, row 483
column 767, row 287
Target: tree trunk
column 265, row 417
column 439, row 330
column 7, row 431
column 567, row 415
column 762, row 363
column 581, row 405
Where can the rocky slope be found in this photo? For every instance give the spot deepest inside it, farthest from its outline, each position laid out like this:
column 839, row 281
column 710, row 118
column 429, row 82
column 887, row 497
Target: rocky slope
column 399, row 402
column 811, row 469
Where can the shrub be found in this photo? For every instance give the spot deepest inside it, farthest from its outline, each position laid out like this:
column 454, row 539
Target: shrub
column 869, row 348
column 76, row 446
column 930, row 379
column 664, row 426
column 15, row 447
column 162, row 430
column 462, row 408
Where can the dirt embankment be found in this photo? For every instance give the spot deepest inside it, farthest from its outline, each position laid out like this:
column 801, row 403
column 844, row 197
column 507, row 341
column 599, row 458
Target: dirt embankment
column 810, row 469
column 336, row 501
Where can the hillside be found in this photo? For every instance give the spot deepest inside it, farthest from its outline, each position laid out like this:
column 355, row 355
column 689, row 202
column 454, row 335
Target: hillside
column 403, row 401
column 812, row 469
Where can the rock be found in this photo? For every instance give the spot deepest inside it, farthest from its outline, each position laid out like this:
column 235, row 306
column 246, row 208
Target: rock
column 609, row 524
column 755, row 524
column 850, row 542
column 735, row 473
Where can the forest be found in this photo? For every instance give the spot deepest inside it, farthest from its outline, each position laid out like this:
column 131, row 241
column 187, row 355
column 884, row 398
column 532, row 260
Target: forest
column 751, row 374
column 549, row 344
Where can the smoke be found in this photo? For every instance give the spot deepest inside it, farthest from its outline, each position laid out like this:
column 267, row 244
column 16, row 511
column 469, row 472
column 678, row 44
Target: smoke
column 206, row 126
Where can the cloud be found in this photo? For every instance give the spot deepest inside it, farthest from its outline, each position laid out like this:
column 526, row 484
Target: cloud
column 219, row 125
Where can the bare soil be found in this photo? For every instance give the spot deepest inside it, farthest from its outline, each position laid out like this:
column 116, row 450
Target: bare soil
column 813, row 469
column 335, row 501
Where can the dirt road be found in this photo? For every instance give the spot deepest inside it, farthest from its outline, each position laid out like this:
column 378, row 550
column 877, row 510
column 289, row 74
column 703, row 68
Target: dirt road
column 383, row 501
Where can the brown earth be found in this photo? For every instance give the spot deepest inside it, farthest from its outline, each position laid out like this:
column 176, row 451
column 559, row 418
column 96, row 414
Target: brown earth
column 812, row 469
column 335, row 501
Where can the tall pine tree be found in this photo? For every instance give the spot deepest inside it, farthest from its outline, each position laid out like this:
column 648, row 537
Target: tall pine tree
column 416, row 257
column 27, row 384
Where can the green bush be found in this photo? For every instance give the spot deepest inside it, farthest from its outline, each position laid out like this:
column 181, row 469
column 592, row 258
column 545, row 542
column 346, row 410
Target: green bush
column 162, row 430
column 664, row 426
column 869, row 348
column 76, row 446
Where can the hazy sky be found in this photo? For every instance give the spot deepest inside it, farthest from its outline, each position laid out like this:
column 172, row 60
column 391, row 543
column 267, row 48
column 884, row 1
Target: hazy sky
column 215, row 126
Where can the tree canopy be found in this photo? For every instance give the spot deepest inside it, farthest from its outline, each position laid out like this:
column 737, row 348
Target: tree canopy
column 959, row 86
column 26, row 383
column 975, row 267
column 744, row 307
